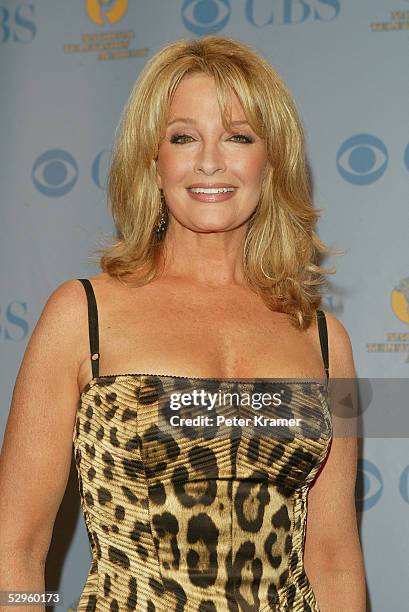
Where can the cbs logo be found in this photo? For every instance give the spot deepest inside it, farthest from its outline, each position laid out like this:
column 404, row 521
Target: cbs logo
column 363, row 158
column 16, row 24
column 211, row 16
column 55, row 172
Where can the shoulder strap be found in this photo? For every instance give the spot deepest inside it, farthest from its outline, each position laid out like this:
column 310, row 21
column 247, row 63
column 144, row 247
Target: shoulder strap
column 322, row 329
column 92, row 325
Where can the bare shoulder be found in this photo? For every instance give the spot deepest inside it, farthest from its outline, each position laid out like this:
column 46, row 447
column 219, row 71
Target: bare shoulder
column 62, row 325
column 64, row 307
column 67, row 293
column 341, row 360
column 70, row 304
column 68, row 300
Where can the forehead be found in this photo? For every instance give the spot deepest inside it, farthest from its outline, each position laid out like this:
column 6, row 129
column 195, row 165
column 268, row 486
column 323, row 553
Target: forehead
column 196, row 95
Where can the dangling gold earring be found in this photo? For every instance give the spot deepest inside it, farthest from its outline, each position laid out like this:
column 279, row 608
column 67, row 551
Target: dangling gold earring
column 162, row 225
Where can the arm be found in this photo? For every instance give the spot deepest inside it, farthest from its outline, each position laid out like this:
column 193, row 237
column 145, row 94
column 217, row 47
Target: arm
column 36, row 454
column 333, row 558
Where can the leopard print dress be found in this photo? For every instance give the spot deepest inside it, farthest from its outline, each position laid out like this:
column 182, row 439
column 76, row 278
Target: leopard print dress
column 189, row 515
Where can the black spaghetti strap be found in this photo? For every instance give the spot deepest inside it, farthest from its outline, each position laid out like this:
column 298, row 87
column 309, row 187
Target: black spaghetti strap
column 322, row 329
column 92, row 325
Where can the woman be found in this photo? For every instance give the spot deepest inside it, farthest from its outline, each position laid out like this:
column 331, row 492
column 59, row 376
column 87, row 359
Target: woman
column 213, row 281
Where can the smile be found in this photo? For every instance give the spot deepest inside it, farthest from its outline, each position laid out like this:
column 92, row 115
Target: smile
column 211, row 190
column 211, row 194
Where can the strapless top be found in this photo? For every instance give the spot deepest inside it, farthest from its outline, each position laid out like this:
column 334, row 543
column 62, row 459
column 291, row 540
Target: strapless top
column 195, row 504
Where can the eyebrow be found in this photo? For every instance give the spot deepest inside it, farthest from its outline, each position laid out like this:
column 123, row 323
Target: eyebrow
column 193, row 121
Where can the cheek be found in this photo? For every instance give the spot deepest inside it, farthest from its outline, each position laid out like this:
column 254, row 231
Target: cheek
column 252, row 168
column 172, row 165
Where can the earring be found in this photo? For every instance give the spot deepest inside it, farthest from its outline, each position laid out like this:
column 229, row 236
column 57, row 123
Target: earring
column 162, row 225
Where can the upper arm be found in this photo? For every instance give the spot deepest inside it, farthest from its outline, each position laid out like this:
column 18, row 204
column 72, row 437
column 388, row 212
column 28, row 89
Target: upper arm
column 331, row 518
column 36, row 454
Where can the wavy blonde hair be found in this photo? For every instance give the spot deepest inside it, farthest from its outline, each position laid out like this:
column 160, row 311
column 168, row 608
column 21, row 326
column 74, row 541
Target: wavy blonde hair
column 281, row 249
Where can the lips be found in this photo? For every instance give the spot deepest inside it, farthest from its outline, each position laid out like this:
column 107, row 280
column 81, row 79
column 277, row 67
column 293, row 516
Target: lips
column 211, row 185
column 211, row 192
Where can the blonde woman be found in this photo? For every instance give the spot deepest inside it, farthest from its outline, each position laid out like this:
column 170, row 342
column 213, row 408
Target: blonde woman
column 213, row 284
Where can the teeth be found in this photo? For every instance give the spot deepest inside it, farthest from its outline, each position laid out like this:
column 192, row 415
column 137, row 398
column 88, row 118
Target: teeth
column 203, row 190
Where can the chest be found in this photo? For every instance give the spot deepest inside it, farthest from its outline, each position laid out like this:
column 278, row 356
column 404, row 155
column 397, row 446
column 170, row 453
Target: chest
column 210, row 334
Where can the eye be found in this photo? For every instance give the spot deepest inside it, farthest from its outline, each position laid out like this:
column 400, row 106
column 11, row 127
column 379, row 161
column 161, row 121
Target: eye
column 180, row 139
column 242, row 138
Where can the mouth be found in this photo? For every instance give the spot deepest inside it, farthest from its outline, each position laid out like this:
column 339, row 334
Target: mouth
column 211, row 189
column 211, row 192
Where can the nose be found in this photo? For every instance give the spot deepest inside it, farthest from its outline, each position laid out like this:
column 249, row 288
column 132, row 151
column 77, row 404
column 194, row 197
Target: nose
column 209, row 159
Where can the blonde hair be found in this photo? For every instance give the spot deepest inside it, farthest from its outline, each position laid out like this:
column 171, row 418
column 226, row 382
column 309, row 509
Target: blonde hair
column 281, row 249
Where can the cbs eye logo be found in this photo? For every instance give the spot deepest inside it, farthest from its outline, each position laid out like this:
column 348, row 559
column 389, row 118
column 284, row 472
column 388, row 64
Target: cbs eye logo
column 205, row 16
column 404, row 484
column 55, row 172
column 363, row 159
column 369, row 486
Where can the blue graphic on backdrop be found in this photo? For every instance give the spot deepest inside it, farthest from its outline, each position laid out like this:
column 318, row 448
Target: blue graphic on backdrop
column 14, row 325
column 292, row 12
column 55, row 173
column 100, row 168
column 211, row 16
column 205, row 16
column 359, row 160
column 406, row 157
column 17, row 24
column 370, row 477
column 404, row 484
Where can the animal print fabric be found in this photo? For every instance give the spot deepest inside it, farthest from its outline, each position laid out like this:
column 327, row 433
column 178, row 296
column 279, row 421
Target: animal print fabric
column 209, row 519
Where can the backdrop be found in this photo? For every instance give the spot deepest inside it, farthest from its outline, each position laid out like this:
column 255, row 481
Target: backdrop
column 66, row 71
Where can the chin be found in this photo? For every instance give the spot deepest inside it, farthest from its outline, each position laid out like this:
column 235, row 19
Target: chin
column 215, row 226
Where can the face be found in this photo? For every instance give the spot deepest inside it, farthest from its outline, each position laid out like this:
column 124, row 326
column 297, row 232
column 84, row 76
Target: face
column 211, row 178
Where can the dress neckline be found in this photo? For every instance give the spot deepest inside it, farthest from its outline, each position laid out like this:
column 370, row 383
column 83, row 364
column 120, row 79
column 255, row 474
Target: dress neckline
column 94, row 380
